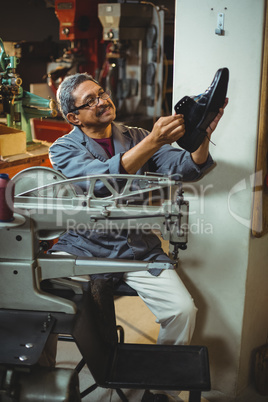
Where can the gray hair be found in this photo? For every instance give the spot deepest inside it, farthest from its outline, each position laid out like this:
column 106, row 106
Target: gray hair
column 65, row 97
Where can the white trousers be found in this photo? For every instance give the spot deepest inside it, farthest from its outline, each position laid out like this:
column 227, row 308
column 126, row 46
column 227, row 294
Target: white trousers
column 170, row 302
column 168, row 299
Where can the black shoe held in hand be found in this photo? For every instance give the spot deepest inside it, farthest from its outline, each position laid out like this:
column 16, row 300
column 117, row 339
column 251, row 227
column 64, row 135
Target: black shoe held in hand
column 201, row 110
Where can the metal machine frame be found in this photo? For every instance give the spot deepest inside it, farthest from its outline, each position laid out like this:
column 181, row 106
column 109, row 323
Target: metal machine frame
column 44, row 203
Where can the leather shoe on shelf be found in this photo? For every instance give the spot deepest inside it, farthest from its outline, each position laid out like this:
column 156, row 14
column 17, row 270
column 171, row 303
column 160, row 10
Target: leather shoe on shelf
column 199, row 111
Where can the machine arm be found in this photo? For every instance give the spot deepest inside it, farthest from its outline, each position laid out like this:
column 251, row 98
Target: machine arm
column 45, row 201
column 46, row 211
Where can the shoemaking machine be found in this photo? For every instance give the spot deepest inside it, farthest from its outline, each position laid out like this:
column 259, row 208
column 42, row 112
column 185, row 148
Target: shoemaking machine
column 121, row 45
column 134, row 53
column 18, row 105
column 38, row 205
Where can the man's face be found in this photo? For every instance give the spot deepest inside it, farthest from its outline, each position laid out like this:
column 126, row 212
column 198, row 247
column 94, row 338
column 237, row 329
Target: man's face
column 89, row 117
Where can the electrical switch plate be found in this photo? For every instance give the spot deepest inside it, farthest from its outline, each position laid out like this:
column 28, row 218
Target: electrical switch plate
column 220, row 24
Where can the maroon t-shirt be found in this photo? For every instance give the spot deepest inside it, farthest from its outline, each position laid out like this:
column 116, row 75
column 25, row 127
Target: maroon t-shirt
column 108, row 146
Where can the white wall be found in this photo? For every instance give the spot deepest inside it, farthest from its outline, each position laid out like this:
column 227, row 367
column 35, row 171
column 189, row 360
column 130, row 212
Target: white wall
column 224, row 267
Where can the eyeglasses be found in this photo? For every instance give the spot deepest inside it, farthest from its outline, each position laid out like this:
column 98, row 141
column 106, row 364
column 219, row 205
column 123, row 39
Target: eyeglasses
column 94, row 101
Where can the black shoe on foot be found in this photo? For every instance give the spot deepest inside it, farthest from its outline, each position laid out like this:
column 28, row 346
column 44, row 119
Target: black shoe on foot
column 201, row 110
column 150, row 397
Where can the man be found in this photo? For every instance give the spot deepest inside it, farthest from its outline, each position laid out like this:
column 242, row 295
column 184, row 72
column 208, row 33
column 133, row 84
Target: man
column 98, row 145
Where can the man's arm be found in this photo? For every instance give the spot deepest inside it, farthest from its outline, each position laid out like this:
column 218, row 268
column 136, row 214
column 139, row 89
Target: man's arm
column 201, row 154
column 166, row 131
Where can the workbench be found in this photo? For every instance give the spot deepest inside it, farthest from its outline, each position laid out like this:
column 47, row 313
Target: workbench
column 36, row 155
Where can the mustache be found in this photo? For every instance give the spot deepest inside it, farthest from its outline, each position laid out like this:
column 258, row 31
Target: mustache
column 102, row 109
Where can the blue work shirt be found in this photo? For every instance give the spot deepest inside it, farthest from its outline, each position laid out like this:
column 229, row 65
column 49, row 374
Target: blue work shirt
column 76, row 155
